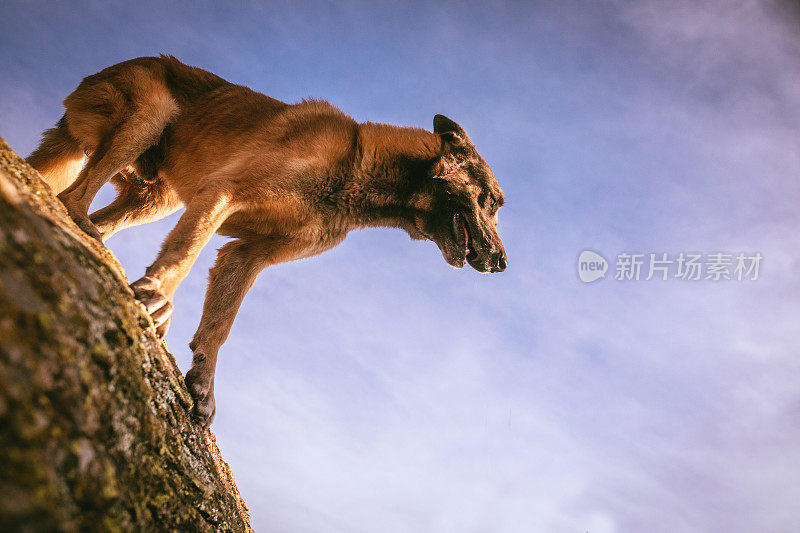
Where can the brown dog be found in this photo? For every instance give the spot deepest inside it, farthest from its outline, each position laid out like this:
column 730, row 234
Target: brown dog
column 285, row 181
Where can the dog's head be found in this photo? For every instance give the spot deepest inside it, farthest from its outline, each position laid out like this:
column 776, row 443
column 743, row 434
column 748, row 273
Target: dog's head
column 465, row 198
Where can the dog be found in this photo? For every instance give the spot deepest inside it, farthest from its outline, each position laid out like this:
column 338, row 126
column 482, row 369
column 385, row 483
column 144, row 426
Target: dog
column 285, row 181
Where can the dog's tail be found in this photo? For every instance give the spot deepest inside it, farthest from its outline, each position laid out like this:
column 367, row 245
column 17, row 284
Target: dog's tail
column 58, row 158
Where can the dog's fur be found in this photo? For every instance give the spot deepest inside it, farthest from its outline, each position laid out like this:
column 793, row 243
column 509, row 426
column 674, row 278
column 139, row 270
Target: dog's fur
column 285, row 181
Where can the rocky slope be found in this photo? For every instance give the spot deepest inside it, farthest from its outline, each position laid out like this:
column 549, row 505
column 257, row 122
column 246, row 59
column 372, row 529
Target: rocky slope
column 95, row 432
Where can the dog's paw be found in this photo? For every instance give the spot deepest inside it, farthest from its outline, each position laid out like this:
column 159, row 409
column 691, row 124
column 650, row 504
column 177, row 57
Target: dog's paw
column 80, row 218
column 148, row 291
column 90, row 229
column 200, row 383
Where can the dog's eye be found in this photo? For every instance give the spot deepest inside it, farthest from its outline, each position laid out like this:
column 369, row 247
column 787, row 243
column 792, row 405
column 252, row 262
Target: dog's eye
column 492, row 203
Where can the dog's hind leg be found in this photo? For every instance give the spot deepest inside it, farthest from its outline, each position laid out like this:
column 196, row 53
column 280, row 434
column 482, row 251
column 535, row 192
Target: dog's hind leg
column 153, row 109
column 138, row 202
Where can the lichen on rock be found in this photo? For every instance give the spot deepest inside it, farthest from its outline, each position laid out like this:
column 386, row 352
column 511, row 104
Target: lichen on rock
column 95, row 426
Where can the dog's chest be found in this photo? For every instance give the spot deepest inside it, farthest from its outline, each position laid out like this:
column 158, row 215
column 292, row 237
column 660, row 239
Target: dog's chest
column 294, row 219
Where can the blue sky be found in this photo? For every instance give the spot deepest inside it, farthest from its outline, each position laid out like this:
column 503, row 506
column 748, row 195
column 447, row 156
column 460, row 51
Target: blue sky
column 374, row 388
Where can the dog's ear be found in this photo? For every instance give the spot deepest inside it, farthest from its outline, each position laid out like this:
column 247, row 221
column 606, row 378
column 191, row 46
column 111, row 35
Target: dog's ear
column 450, row 132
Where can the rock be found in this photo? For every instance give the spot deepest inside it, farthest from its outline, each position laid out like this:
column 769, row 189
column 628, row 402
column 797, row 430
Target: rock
column 95, row 427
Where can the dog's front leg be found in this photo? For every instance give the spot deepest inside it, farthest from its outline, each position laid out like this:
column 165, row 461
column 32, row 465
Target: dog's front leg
column 237, row 266
column 205, row 213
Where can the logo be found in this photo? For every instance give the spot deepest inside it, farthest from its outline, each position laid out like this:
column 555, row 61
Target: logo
column 591, row 266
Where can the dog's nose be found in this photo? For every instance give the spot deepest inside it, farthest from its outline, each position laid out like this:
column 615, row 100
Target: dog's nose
column 499, row 261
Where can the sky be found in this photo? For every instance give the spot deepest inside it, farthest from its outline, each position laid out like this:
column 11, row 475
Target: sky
column 374, row 388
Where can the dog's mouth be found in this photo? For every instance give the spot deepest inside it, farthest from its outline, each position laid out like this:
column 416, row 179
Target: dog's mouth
column 465, row 248
column 459, row 240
